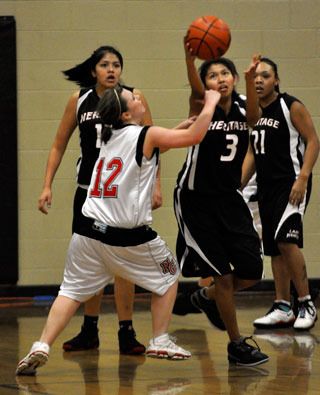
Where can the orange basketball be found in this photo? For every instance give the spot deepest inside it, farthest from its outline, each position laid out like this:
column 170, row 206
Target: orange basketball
column 209, row 37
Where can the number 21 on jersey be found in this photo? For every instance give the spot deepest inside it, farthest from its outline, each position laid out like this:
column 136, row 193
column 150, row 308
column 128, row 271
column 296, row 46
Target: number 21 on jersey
column 258, row 141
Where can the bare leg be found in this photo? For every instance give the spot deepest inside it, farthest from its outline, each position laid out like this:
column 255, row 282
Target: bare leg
column 224, row 297
column 93, row 305
column 223, row 293
column 281, row 278
column 124, row 298
column 161, row 310
column 59, row 316
column 295, row 263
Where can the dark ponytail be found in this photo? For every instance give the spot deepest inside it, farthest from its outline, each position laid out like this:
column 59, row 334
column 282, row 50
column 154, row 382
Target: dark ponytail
column 81, row 74
column 110, row 108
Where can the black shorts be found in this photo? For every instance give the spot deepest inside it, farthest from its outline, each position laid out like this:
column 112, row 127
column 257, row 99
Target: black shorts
column 79, row 221
column 281, row 222
column 216, row 236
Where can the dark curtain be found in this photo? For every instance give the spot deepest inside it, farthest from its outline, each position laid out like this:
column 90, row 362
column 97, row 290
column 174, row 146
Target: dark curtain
column 8, row 153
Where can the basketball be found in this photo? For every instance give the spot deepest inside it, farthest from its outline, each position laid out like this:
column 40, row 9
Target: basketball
column 209, row 37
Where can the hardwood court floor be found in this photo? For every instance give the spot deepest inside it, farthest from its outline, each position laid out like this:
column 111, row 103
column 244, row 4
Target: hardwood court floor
column 294, row 366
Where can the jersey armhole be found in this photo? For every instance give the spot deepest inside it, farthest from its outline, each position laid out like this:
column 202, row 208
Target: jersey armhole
column 139, row 150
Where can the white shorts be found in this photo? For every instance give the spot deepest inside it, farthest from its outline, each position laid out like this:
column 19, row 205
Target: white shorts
column 91, row 265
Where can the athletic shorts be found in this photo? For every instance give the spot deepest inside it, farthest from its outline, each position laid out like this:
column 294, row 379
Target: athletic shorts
column 216, row 236
column 91, row 265
column 281, row 221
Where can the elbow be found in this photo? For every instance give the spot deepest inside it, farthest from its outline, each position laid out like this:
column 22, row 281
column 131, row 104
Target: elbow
column 197, row 139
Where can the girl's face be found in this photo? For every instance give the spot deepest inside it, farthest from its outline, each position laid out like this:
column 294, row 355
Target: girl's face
column 220, row 78
column 134, row 105
column 265, row 81
column 107, row 71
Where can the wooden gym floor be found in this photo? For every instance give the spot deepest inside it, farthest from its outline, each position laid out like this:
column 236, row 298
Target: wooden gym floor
column 294, row 366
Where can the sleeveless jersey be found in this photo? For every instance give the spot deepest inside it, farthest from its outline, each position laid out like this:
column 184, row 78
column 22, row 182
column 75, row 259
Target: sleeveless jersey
column 120, row 191
column 214, row 165
column 277, row 145
column 90, row 127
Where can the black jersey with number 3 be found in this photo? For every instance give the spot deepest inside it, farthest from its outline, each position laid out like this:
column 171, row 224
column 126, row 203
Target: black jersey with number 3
column 214, row 166
column 90, row 127
column 277, row 145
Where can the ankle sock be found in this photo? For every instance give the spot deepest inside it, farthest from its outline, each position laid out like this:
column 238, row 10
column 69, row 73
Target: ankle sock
column 304, row 298
column 162, row 338
column 283, row 305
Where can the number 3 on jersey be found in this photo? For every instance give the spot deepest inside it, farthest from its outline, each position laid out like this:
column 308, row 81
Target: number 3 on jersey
column 232, row 142
column 107, row 189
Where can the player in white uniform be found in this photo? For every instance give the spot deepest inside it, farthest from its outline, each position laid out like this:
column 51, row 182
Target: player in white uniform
column 119, row 203
column 102, row 70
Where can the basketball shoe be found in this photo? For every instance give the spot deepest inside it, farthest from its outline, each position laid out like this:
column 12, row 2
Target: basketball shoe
column 128, row 344
column 279, row 316
column 183, row 304
column 85, row 340
column 244, row 354
column 164, row 347
column 307, row 315
column 209, row 307
column 36, row 358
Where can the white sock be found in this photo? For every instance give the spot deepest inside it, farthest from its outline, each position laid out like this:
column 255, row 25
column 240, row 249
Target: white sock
column 162, row 338
column 304, row 298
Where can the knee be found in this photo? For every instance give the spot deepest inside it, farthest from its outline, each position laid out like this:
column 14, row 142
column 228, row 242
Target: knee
column 286, row 248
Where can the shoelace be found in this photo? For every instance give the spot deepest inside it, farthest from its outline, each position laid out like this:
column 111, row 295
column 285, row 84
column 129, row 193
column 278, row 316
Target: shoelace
column 244, row 342
column 303, row 307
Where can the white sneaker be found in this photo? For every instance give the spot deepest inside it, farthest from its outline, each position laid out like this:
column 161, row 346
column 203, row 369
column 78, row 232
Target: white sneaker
column 37, row 357
column 275, row 318
column 165, row 347
column 307, row 316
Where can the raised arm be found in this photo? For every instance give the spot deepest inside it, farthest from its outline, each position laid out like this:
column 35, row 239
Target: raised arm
column 196, row 85
column 253, row 109
column 158, row 137
column 67, row 125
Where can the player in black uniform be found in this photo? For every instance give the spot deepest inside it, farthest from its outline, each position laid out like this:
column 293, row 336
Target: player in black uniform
column 216, row 234
column 285, row 148
column 100, row 71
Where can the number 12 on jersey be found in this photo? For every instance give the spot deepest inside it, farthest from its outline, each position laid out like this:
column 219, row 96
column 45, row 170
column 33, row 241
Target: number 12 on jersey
column 106, row 188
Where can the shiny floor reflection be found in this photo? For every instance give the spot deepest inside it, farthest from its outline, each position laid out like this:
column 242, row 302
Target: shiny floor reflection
column 294, row 366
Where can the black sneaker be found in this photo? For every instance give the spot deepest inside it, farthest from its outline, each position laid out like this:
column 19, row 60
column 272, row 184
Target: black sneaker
column 184, row 306
column 85, row 340
column 210, row 309
column 245, row 354
column 128, row 344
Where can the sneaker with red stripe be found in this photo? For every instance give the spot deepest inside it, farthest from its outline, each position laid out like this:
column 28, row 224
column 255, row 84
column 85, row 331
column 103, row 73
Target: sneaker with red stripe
column 165, row 347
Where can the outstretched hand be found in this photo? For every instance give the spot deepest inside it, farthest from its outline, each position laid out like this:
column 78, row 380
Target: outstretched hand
column 188, row 50
column 250, row 72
